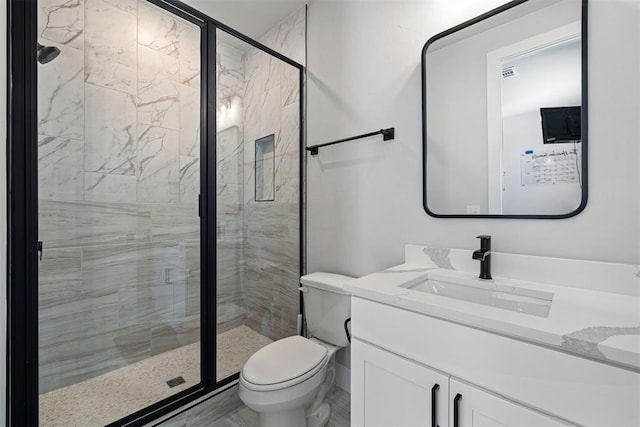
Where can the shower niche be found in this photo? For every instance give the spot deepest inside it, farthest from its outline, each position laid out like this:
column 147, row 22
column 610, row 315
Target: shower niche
column 265, row 169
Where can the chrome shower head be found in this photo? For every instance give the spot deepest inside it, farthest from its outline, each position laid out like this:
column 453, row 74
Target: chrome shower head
column 47, row 53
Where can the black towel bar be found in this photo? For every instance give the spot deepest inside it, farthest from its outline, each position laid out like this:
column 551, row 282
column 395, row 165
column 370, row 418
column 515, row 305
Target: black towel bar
column 387, row 134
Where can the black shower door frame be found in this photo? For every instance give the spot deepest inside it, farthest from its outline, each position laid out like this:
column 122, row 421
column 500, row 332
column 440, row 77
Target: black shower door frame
column 22, row 212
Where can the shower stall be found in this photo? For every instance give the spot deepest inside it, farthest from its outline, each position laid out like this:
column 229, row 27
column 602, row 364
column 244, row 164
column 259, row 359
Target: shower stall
column 167, row 202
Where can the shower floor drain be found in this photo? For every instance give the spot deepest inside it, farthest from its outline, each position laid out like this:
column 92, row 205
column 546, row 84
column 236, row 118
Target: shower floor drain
column 175, row 381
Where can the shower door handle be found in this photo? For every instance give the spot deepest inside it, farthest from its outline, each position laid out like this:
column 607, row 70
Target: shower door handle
column 40, row 249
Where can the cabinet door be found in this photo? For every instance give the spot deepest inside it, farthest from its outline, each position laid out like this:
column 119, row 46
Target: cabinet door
column 472, row 407
column 388, row 390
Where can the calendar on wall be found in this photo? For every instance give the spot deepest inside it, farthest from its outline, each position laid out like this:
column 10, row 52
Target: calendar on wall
column 548, row 167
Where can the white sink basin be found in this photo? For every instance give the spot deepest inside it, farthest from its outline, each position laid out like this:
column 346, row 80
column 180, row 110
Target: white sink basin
column 500, row 293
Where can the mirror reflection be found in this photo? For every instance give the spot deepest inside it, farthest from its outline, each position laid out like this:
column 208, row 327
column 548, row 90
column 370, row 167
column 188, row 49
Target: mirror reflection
column 504, row 114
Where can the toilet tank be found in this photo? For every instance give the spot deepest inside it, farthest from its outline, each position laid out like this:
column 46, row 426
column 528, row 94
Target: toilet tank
column 326, row 306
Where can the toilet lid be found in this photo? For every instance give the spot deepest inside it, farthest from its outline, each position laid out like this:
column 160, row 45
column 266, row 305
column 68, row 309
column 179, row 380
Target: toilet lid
column 283, row 360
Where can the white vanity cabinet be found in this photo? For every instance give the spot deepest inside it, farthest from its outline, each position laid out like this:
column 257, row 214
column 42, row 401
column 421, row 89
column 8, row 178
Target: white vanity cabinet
column 398, row 356
column 388, row 390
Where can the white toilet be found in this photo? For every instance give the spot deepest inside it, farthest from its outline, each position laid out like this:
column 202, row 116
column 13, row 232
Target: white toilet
column 286, row 381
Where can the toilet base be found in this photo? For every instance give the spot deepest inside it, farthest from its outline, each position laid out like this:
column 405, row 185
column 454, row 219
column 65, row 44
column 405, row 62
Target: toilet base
column 291, row 418
column 320, row 417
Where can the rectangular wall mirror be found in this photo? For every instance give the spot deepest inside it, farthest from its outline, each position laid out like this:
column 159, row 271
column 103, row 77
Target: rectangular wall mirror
column 505, row 113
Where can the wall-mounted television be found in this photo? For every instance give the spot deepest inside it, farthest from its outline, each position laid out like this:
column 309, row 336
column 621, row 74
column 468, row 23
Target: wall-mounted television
column 561, row 125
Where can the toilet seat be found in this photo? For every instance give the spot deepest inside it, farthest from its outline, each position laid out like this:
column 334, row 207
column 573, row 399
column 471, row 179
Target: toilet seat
column 283, row 363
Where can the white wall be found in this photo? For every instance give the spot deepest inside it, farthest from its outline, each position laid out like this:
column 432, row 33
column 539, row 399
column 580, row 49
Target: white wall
column 3, row 208
column 365, row 197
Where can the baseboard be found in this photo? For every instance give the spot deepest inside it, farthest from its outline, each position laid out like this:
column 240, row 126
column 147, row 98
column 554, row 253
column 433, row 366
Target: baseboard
column 343, row 377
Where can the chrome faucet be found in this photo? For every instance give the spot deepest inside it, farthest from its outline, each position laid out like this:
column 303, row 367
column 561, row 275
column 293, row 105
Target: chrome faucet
column 484, row 255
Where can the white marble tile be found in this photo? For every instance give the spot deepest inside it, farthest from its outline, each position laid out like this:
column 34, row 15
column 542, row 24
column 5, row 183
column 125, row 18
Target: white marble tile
column 291, row 36
column 288, row 190
column 229, row 199
column 158, row 103
column 189, row 121
column 60, row 168
column 62, row 21
column 105, row 187
column 288, row 37
column 189, row 179
column 158, row 165
column 289, row 136
column 248, row 192
column 229, row 71
column 158, row 29
column 269, row 38
column 229, row 156
column 158, row 90
column 129, row 6
column 270, row 120
column 110, row 144
column 230, row 113
column 110, row 46
column 189, row 54
column 288, row 166
column 274, row 68
column 61, row 95
column 256, row 67
column 229, row 227
column 155, row 65
column 290, row 85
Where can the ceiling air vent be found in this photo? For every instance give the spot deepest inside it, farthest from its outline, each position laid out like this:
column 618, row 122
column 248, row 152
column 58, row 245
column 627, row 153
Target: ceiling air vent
column 509, row 72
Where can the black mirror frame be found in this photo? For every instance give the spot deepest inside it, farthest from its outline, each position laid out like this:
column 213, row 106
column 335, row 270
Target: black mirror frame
column 583, row 118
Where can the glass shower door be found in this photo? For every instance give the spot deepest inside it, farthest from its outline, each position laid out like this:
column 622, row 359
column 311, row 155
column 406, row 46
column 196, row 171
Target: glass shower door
column 119, row 179
column 258, row 200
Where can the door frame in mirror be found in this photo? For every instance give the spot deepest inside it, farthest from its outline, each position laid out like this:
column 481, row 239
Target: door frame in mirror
column 583, row 118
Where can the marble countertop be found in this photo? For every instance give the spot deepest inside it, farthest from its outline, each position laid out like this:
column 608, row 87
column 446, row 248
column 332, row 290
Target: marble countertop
column 599, row 325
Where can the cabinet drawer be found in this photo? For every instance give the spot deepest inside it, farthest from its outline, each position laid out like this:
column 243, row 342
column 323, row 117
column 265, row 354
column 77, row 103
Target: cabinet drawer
column 572, row 388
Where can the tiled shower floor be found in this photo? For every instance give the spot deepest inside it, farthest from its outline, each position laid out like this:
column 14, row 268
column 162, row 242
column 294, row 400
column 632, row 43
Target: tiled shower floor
column 111, row 396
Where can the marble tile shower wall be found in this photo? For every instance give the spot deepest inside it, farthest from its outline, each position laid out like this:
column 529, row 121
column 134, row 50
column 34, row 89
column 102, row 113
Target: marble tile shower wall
column 118, row 180
column 271, row 252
